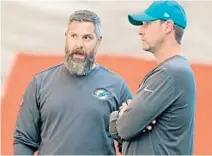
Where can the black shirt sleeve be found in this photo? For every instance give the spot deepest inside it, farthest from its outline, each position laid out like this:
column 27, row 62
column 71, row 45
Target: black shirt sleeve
column 155, row 95
column 27, row 128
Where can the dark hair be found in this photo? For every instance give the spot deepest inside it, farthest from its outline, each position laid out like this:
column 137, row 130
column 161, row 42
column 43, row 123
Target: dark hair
column 87, row 16
column 178, row 31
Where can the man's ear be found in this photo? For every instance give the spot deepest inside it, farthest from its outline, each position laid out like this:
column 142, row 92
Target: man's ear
column 99, row 41
column 169, row 26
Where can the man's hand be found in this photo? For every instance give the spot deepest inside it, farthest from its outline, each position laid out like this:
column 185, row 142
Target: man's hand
column 149, row 127
column 124, row 106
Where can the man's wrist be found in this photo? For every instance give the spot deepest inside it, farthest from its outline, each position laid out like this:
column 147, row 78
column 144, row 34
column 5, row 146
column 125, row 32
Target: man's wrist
column 122, row 109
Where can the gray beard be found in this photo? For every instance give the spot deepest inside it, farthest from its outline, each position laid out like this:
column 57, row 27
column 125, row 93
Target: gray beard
column 77, row 67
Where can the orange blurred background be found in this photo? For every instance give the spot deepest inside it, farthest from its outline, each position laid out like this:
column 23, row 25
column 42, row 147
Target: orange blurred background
column 131, row 69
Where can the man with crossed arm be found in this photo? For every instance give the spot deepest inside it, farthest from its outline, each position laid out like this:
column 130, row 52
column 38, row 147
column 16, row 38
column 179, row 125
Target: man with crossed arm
column 167, row 93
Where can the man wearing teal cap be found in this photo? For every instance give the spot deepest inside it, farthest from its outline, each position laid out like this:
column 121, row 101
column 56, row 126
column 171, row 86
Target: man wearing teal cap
column 166, row 94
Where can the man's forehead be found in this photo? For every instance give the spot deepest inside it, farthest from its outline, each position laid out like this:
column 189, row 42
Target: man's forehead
column 80, row 33
column 82, row 27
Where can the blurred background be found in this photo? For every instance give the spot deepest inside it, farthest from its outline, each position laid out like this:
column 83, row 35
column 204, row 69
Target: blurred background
column 37, row 27
column 32, row 38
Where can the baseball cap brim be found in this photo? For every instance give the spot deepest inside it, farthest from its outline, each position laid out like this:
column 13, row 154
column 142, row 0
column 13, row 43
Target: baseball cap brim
column 139, row 18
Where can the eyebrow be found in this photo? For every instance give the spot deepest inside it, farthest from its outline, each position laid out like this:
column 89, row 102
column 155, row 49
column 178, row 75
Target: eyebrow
column 82, row 35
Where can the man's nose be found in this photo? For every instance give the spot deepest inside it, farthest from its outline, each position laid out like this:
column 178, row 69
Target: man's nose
column 141, row 30
column 79, row 42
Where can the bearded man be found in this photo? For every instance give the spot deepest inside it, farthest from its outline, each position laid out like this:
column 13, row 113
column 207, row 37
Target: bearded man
column 66, row 107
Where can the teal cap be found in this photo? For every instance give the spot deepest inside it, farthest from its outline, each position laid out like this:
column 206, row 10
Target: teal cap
column 164, row 10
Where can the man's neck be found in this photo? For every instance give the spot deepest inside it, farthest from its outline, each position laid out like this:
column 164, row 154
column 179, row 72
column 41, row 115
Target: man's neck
column 167, row 51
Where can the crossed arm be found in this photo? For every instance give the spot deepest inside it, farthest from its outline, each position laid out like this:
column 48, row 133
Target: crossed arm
column 155, row 95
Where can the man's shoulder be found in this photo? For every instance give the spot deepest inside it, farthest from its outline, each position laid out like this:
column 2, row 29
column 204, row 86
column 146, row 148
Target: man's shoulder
column 48, row 70
column 179, row 71
column 174, row 69
column 116, row 83
column 176, row 66
column 106, row 72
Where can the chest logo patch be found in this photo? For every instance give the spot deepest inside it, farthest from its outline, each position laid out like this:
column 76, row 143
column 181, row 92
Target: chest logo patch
column 101, row 93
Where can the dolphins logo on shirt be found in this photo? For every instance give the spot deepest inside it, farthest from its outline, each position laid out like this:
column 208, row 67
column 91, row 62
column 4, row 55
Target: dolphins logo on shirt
column 101, row 93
